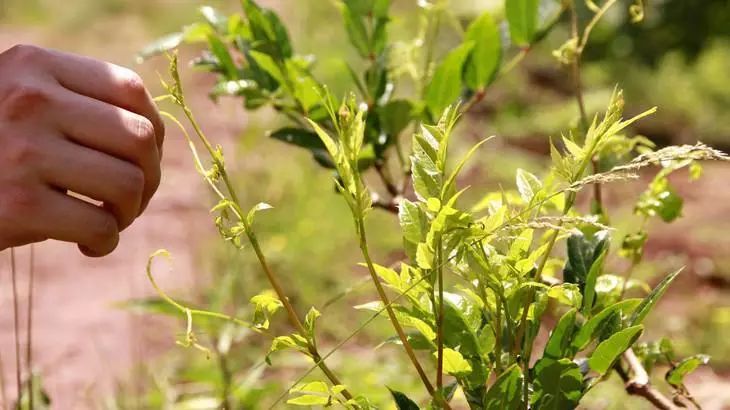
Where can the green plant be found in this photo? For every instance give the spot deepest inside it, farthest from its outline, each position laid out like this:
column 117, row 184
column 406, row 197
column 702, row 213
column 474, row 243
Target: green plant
column 479, row 280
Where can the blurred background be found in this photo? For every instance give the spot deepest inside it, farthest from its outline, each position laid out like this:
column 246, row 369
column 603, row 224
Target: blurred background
column 91, row 349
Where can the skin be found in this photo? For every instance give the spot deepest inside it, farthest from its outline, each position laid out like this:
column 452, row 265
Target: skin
column 72, row 127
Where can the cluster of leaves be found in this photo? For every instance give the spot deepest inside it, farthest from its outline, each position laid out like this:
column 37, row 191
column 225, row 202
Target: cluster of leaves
column 479, row 280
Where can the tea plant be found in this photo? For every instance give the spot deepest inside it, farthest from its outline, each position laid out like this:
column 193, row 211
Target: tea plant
column 469, row 302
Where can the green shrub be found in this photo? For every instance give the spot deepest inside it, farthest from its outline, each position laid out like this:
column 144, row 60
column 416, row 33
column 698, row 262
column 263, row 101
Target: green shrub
column 479, row 279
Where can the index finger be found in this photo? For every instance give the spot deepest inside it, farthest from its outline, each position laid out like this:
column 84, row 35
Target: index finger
column 106, row 82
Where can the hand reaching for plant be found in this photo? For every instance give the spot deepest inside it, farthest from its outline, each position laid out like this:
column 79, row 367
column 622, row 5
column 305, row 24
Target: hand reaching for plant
column 71, row 124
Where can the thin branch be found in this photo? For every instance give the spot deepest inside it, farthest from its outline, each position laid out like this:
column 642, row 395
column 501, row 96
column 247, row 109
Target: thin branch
column 440, row 317
column 16, row 324
column 639, row 385
column 385, row 177
column 29, row 329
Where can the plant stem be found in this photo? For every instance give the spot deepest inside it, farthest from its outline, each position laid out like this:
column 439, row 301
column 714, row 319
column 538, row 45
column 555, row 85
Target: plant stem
column 29, row 329
column 226, row 377
column 639, row 384
column 440, row 317
column 389, row 309
column 385, row 177
column 16, row 324
column 272, row 278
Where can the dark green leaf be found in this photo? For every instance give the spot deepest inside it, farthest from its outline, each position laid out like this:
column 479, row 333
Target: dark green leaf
column 298, row 136
column 583, row 251
column 522, row 16
column 445, row 86
column 356, row 31
column 589, row 291
column 558, row 384
column 483, row 62
column 610, row 349
column 221, row 52
column 402, row 401
column 593, row 328
column 650, row 300
column 395, row 116
column 558, row 344
column 506, row 392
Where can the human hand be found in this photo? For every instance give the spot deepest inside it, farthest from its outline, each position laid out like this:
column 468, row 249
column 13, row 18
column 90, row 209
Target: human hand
column 73, row 124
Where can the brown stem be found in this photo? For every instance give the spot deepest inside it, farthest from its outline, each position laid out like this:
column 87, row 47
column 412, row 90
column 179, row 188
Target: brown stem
column 390, row 206
column 393, row 319
column 16, row 324
column 389, row 185
column 639, row 385
column 29, row 329
column 226, row 378
column 291, row 313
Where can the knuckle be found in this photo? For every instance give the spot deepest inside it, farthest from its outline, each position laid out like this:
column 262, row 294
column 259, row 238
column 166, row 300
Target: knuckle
column 144, row 133
column 132, row 83
column 22, row 153
column 22, row 100
column 132, row 184
column 105, row 230
column 24, row 52
column 18, row 202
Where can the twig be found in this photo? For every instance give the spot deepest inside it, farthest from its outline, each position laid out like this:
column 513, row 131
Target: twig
column 16, row 324
column 29, row 329
column 390, row 206
column 638, row 385
column 389, row 185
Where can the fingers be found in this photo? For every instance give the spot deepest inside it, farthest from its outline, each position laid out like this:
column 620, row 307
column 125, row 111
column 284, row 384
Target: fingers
column 113, row 130
column 116, row 183
column 106, row 82
column 69, row 219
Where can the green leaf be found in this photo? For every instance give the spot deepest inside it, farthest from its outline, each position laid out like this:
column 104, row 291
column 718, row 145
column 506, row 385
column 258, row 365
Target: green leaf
column 589, row 291
column 356, row 31
column 261, row 206
column 395, row 116
column 449, row 185
column 506, row 392
column 294, row 341
column 220, row 51
column 522, row 16
column 610, row 349
column 483, row 62
column 567, row 294
column 650, row 300
column 266, row 304
column 267, row 63
column 583, row 251
column 660, row 199
column 594, row 326
column 310, row 321
column 312, row 393
column 414, row 225
column 528, row 185
column 328, row 142
column 427, row 177
column 445, row 86
column 454, row 363
column 558, row 384
column 402, row 401
column 299, row 137
column 675, row 376
column 559, row 341
column 424, row 256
